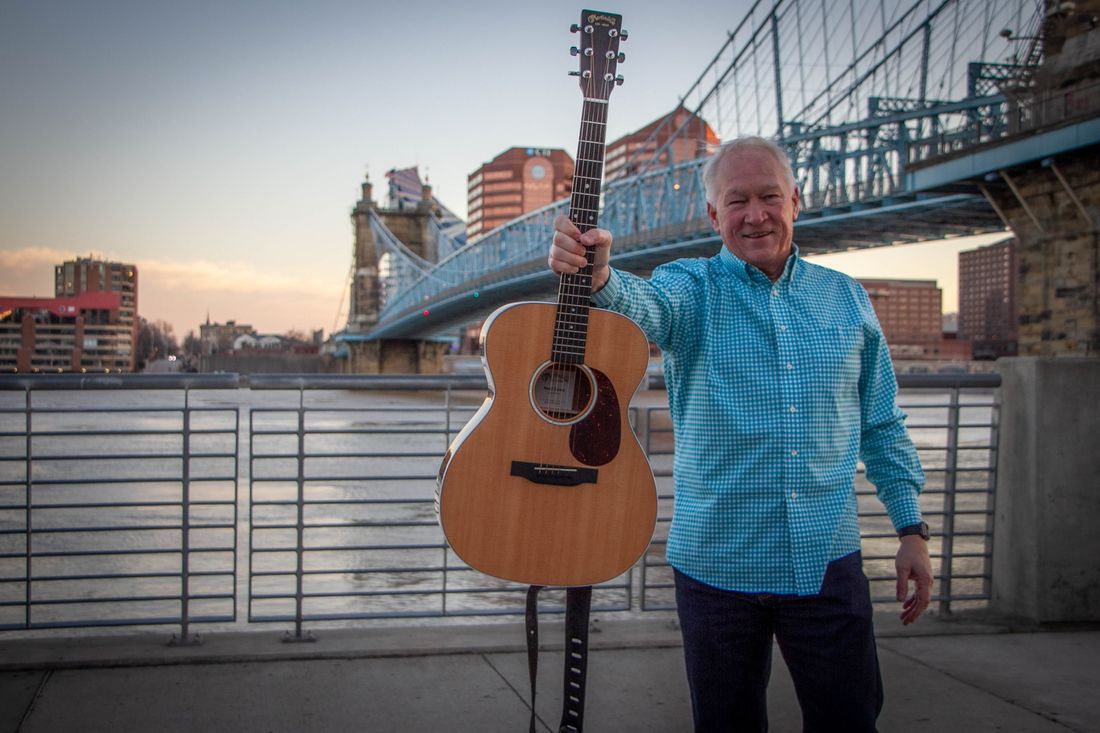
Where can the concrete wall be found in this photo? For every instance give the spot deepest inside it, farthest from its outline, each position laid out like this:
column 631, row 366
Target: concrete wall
column 277, row 363
column 1046, row 542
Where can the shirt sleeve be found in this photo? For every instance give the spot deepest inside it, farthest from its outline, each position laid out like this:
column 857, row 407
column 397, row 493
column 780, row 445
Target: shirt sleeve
column 886, row 449
column 664, row 306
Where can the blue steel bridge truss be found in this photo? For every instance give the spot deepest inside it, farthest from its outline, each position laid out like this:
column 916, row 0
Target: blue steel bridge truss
column 920, row 80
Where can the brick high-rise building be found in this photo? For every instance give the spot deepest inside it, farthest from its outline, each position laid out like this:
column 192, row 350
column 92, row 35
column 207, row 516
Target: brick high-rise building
column 695, row 141
column 515, row 182
column 988, row 315
column 910, row 312
column 91, row 324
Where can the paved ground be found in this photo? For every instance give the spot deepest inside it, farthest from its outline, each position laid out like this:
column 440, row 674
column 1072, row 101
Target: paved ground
column 941, row 676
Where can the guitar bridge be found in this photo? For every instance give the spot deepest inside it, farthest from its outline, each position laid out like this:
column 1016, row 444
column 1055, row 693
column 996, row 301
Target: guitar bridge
column 542, row 473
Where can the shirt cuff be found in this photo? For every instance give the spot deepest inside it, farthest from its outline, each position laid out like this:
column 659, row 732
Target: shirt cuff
column 609, row 293
column 906, row 512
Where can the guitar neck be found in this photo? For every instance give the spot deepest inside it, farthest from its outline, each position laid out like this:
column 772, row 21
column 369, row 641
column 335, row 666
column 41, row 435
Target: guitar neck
column 575, row 290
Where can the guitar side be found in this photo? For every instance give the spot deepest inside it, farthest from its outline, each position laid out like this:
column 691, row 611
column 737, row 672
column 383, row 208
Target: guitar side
column 587, row 521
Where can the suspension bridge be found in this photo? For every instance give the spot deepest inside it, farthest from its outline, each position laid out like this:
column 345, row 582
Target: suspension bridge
column 867, row 109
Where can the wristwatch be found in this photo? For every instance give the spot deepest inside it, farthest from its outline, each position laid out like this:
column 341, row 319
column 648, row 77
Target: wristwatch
column 921, row 528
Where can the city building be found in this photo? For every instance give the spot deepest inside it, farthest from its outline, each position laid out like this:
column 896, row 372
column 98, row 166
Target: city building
column 515, row 182
column 217, row 338
column 90, row 324
column 910, row 312
column 988, row 315
column 695, row 139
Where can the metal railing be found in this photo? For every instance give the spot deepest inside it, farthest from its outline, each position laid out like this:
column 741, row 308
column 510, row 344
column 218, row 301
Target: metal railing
column 120, row 501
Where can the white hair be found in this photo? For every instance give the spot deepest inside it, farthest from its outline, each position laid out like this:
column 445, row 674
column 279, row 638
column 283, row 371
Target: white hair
column 710, row 169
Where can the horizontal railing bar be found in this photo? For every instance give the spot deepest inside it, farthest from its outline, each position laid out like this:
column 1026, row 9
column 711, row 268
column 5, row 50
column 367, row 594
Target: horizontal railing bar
column 39, row 482
column 345, row 502
column 323, row 477
column 51, row 457
column 373, row 454
column 115, row 553
column 140, row 527
column 115, row 576
column 399, row 592
column 371, row 382
column 110, row 623
column 123, row 504
column 383, row 430
column 352, row 525
column 349, row 548
column 32, row 382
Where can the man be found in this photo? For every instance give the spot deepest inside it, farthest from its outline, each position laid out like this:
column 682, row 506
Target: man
column 779, row 379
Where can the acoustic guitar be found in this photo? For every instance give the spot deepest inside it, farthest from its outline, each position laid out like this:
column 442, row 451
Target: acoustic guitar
column 547, row 484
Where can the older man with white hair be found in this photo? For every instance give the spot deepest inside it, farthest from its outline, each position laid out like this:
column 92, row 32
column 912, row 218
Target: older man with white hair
column 779, row 380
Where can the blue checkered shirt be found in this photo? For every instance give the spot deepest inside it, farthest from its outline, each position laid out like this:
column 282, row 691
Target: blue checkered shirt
column 775, row 391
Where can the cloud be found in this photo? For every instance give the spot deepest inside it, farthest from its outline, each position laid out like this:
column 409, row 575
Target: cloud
column 185, row 292
column 232, row 277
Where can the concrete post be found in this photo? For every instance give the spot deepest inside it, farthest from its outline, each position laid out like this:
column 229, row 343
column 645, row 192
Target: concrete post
column 1046, row 541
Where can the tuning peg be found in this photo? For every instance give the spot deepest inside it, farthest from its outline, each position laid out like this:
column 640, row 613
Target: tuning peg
column 574, row 73
column 574, row 51
column 621, row 57
column 623, row 36
column 619, row 80
column 574, row 28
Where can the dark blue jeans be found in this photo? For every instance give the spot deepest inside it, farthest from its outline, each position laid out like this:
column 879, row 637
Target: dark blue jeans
column 826, row 639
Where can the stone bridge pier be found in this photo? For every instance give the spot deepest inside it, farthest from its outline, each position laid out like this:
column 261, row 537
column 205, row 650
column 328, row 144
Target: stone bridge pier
column 1047, row 519
column 412, row 226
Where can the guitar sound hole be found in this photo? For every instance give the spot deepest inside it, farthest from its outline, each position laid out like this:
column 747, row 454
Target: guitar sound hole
column 562, row 392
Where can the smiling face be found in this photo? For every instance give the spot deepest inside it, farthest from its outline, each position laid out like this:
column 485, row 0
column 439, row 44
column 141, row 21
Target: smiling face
column 753, row 208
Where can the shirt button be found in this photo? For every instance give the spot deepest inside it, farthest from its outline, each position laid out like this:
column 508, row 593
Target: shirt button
column 794, row 494
column 790, row 366
column 793, row 408
column 782, row 327
column 794, row 453
column 775, row 292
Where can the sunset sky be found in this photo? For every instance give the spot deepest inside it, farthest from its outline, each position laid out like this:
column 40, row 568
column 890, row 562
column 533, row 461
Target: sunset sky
column 220, row 146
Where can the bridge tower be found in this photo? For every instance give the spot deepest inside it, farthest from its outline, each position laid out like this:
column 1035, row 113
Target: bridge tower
column 411, row 225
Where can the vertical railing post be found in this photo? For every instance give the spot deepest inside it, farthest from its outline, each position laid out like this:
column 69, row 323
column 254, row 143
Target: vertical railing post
column 28, row 498
column 947, row 539
column 299, row 549
column 991, row 487
column 185, row 637
column 447, row 442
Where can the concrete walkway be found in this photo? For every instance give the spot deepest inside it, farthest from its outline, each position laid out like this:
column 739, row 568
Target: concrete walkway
column 940, row 676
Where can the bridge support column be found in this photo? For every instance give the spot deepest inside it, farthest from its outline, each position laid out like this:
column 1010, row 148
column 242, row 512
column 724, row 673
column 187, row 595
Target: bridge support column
column 395, row 356
column 1046, row 538
column 1053, row 207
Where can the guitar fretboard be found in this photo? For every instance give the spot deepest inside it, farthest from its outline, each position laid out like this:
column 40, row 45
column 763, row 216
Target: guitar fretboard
column 575, row 290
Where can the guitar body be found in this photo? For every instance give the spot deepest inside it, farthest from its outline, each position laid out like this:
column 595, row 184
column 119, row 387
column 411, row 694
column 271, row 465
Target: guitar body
column 547, row 484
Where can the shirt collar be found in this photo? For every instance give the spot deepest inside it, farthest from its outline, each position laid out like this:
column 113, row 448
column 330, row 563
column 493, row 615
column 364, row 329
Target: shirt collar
column 750, row 273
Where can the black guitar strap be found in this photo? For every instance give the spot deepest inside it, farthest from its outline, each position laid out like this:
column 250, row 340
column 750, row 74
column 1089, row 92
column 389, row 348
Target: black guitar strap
column 578, row 603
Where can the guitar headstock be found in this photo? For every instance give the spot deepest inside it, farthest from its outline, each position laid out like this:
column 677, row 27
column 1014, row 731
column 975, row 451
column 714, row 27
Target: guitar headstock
column 599, row 52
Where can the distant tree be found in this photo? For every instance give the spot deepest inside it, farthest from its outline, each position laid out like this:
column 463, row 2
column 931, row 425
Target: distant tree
column 155, row 341
column 192, row 345
column 298, row 335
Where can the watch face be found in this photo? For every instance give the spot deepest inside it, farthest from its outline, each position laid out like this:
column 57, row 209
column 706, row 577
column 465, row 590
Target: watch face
column 538, row 172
